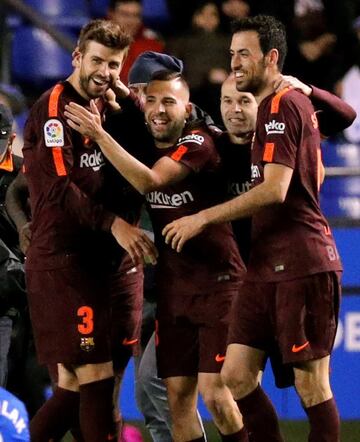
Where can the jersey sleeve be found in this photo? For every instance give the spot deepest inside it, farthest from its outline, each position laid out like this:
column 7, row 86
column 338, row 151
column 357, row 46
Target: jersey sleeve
column 334, row 114
column 196, row 150
column 54, row 139
column 283, row 129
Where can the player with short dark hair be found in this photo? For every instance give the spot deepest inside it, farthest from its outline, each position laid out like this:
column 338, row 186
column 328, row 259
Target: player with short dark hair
column 66, row 266
column 290, row 298
column 195, row 288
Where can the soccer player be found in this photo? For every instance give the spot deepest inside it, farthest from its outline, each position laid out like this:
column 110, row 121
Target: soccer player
column 291, row 294
column 66, row 266
column 239, row 111
column 195, row 288
column 126, row 279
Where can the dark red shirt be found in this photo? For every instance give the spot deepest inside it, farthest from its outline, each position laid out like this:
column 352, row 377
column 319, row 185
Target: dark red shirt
column 65, row 174
column 236, row 166
column 211, row 259
column 292, row 239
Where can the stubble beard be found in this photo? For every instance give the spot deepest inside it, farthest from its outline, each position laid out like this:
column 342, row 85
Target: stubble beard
column 170, row 136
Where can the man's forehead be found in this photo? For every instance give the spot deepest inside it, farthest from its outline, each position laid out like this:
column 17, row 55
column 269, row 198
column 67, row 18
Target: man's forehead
column 171, row 88
column 244, row 39
column 95, row 49
column 229, row 90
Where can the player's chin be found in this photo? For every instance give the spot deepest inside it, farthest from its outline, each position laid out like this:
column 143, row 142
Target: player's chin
column 97, row 91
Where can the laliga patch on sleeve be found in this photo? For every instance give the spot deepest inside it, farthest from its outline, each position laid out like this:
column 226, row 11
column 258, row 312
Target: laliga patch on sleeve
column 54, row 133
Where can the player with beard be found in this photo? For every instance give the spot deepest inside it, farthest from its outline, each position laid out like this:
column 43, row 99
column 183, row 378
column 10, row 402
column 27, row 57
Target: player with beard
column 291, row 294
column 195, row 288
column 239, row 111
column 66, row 266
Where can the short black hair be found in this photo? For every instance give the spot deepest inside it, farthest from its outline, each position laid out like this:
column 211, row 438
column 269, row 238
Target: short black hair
column 272, row 34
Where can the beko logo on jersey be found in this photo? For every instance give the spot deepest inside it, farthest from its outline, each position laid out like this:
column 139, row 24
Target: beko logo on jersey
column 94, row 160
column 274, row 127
column 192, row 138
column 160, row 200
column 53, row 133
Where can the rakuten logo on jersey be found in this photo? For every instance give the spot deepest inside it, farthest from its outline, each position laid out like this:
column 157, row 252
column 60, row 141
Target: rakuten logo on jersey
column 255, row 172
column 238, row 188
column 275, row 127
column 192, row 138
column 160, row 200
column 94, row 160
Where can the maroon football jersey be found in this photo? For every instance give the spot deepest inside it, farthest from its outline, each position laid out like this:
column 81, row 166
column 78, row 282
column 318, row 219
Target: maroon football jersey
column 212, row 257
column 292, row 239
column 65, row 175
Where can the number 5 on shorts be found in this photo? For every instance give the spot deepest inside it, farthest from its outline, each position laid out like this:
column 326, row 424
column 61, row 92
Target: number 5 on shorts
column 86, row 314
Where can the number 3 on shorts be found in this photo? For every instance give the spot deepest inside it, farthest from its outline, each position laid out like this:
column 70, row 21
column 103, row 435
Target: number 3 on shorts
column 86, row 314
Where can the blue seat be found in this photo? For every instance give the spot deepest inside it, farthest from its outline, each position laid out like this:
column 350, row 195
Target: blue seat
column 156, row 14
column 340, row 154
column 341, row 186
column 343, row 206
column 71, row 13
column 99, row 8
column 37, row 59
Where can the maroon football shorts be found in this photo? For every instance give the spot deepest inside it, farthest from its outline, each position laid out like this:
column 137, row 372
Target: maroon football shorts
column 70, row 315
column 299, row 317
column 193, row 340
column 126, row 288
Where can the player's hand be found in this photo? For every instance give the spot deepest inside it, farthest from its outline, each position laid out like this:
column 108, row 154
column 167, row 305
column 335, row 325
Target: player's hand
column 88, row 123
column 110, row 100
column 178, row 232
column 135, row 241
column 119, row 88
column 25, row 237
column 292, row 83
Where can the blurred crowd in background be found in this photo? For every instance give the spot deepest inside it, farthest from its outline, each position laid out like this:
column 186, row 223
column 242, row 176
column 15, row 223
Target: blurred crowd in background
column 323, row 36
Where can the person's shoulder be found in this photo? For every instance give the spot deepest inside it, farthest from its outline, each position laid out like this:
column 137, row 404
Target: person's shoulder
column 287, row 101
column 196, row 133
column 14, row 419
column 48, row 99
column 18, row 161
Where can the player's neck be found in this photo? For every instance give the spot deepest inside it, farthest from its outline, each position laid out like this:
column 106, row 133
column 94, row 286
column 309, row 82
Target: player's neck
column 168, row 143
column 268, row 88
column 73, row 79
column 241, row 139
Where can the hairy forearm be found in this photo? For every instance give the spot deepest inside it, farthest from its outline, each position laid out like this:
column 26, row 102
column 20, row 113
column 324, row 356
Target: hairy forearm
column 136, row 173
column 243, row 206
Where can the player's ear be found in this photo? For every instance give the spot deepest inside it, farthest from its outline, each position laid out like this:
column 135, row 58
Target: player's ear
column 76, row 57
column 272, row 57
column 189, row 108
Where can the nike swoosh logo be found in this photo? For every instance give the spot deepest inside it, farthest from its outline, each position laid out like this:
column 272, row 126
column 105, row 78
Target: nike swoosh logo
column 219, row 358
column 297, row 348
column 127, row 341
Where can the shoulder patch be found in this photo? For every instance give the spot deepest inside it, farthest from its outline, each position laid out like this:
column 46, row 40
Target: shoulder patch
column 54, row 133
